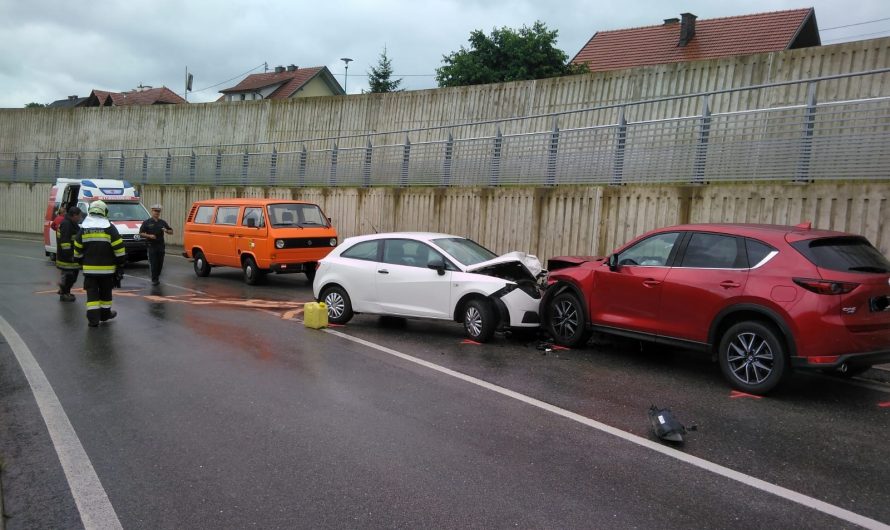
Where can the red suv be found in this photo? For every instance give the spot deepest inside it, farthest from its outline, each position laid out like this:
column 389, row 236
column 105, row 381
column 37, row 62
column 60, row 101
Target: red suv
column 763, row 298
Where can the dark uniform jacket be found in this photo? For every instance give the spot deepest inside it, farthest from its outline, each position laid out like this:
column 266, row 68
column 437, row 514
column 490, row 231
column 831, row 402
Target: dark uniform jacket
column 99, row 246
column 156, row 228
column 65, row 245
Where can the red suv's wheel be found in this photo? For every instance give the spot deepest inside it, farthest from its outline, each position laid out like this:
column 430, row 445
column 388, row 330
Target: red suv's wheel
column 566, row 321
column 752, row 357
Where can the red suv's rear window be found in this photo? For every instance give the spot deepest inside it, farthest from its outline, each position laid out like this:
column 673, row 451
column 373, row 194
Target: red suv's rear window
column 847, row 254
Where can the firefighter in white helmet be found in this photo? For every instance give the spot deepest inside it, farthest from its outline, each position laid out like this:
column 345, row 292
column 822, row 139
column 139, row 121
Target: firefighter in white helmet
column 99, row 248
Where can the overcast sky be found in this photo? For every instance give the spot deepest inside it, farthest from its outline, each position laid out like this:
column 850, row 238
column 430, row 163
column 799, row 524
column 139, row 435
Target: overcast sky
column 55, row 48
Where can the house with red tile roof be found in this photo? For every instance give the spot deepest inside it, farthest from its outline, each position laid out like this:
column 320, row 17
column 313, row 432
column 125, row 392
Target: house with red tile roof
column 143, row 95
column 687, row 39
column 285, row 83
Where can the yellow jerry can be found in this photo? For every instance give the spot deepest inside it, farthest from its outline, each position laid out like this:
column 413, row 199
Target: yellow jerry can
column 315, row 315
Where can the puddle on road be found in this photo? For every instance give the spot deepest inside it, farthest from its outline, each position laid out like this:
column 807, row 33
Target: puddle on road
column 284, row 310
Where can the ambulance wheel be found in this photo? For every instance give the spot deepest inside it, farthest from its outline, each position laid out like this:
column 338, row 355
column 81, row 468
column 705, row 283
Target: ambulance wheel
column 202, row 268
column 252, row 273
column 339, row 305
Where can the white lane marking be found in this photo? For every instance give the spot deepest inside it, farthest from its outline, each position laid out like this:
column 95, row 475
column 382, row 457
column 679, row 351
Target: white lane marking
column 785, row 493
column 89, row 495
column 31, row 258
column 140, row 278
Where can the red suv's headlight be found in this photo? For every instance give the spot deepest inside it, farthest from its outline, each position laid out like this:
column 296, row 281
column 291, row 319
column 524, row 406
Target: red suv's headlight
column 825, row 286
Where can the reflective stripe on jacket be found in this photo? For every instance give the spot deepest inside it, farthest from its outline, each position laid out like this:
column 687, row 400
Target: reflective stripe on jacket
column 99, row 246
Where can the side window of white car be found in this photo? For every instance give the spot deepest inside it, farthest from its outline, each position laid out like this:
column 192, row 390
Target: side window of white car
column 401, row 252
column 366, row 250
column 651, row 252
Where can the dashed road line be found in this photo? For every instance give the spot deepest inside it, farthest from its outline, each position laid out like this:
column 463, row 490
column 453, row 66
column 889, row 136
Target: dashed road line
column 785, row 493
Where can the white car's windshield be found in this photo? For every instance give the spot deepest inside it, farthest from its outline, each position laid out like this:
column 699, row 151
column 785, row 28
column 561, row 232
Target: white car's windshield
column 466, row 251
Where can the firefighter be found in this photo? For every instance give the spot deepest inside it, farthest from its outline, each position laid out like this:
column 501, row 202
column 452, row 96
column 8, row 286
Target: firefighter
column 65, row 261
column 100, row 249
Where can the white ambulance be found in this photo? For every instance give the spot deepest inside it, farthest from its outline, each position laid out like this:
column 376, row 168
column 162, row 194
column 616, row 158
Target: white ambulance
column 125, row 210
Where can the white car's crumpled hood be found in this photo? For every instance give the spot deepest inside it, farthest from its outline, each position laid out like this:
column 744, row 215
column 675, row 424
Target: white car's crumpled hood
column 531, row 262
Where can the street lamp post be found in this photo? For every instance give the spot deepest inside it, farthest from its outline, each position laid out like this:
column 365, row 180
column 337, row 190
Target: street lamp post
column 346, row 60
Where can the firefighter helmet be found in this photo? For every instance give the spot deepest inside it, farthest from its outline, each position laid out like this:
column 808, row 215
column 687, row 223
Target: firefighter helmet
column 98, row 208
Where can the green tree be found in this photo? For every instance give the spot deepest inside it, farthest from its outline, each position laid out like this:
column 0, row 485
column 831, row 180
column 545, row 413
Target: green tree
column 380, row 77
column 33, row 105
column 506, row 55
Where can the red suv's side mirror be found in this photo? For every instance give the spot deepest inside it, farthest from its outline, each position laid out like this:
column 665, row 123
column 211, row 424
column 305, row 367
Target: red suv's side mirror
column 612, row 262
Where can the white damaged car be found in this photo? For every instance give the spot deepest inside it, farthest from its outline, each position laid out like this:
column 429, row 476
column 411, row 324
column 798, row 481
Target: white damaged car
column 428, row 275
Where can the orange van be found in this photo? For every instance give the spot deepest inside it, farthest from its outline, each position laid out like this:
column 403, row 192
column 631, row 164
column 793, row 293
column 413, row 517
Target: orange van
column 258, row 236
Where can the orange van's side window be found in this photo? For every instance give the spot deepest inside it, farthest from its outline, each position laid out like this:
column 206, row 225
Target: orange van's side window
column 204, row 215
column 253, row 213
column 227, row 215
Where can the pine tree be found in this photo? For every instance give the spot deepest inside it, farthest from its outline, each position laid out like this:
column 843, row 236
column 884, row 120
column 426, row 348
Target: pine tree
column 379, row 76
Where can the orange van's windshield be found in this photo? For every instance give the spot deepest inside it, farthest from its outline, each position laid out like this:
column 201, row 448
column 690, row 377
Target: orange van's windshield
column 302, row 215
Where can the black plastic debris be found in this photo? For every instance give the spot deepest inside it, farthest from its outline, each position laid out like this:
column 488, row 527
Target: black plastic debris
column 666, row 426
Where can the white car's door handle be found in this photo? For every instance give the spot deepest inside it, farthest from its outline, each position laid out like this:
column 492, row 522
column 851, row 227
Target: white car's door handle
column 383, row 271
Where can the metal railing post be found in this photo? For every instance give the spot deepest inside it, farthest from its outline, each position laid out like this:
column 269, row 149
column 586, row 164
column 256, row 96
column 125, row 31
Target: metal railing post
column 217, row 170
column 100, row 166
column 122, row 166
column 332, row 178
column 193, row 167
column 36, row 167
column 366, row 164
column 245, row 163
column 495, row 175
column 806, row 142
column 168, row 167
column 58, row 168
column 446, row 164
column 78, row 167
column 701, row 148
column 15, row 167
column 406, row 162
column 301, row 168
column 620, row 141
column 144, row 167
column 273, row 167
column 553, row 153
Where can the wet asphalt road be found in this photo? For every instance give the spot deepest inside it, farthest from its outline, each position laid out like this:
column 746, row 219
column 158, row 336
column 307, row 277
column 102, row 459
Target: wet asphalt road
column 206, row 404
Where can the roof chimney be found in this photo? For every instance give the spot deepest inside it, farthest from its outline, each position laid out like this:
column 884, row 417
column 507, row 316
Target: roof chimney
column 687, row 28
column 669, row 21
column 72, row 98
column 291, row 68
column 279, row 69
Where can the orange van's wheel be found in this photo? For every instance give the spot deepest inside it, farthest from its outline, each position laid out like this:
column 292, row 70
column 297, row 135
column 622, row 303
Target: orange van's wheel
column 202, row 268
column 309, row 271
column 252, row 273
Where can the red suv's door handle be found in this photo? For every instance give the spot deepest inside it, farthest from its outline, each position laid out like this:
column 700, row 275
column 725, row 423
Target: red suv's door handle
column 651, row 283
column 728, row 284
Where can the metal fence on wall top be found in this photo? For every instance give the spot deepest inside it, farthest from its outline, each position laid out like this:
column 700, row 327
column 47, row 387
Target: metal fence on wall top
column 613, row 144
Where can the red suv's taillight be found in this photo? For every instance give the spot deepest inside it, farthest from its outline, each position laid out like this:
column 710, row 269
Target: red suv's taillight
column 825, row 286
